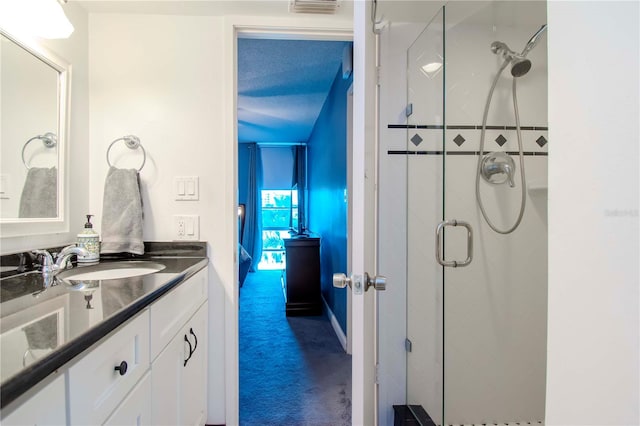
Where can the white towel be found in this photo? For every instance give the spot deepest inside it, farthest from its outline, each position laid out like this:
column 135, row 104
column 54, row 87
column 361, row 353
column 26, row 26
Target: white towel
column 40, row 193
column 122, row 213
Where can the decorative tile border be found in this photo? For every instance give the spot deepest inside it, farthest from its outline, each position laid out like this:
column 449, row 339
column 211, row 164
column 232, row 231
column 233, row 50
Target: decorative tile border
column 465, row 138
column 463, row 127
column 415, row 126
column 400, row 152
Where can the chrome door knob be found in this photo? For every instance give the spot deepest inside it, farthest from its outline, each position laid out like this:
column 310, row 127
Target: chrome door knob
column 378, row 282
column 340, row 280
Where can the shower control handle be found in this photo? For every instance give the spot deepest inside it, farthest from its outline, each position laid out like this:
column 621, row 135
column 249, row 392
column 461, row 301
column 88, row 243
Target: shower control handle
column 497, row 168
column 439, row 238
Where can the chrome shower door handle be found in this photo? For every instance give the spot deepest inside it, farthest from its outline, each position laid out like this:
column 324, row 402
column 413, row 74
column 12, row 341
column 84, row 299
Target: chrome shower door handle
column 454, row 263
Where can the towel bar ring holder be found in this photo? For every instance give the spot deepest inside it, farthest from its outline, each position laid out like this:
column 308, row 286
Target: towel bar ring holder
column 132, row 142
column 49, row 140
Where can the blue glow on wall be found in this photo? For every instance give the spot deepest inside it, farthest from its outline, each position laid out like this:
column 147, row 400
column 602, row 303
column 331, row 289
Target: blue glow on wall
column 327, row 181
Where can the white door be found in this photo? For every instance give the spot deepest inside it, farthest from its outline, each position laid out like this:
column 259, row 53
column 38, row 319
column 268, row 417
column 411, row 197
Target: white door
column 362, row 223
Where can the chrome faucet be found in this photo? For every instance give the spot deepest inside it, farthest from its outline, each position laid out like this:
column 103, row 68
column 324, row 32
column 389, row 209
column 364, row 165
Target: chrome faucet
column 51, row 268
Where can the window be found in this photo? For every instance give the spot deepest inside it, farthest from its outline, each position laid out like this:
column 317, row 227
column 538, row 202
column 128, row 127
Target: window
column 277, row 215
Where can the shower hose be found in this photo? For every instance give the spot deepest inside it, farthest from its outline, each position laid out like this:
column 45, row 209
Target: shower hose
column 482, row 137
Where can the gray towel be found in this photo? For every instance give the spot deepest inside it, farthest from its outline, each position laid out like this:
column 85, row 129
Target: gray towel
column 40, row 193
column 122, row 213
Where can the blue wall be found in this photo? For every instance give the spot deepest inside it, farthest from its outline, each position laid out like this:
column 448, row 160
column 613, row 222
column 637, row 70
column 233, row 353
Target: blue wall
column 327, row 181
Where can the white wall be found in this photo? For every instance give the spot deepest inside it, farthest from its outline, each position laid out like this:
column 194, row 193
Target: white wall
column 75, row 51
column 161, row 78
column 594, row 325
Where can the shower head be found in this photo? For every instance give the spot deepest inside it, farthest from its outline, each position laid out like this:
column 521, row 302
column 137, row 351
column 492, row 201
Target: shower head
column 520, row 65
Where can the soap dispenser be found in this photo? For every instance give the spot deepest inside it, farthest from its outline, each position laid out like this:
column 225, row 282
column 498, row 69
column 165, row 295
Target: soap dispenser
column 89, row 240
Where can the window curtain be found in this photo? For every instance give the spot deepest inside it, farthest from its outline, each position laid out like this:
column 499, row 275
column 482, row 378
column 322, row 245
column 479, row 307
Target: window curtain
column 252, row 237
column 300, row 178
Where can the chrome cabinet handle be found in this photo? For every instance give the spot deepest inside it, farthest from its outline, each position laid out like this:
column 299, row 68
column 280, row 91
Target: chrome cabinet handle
column 454, row 263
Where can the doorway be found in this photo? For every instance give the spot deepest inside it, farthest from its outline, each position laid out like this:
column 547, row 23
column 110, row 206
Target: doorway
column 281, row 355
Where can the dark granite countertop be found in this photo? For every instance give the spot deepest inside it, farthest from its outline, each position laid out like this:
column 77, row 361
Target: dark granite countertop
column 43, row 329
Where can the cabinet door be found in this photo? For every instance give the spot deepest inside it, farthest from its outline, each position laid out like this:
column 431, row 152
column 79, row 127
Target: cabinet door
column 47, row 407
column 135, row 409
column 165, row 380
column 194, row 374
column 179, row 375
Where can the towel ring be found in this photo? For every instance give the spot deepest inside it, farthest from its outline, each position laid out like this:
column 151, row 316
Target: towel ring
column 132, row 142
column 49, row 140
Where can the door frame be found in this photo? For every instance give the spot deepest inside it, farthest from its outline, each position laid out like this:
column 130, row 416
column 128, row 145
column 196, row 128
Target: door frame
column 365, row 215
column 256, row 27
column 349, row 345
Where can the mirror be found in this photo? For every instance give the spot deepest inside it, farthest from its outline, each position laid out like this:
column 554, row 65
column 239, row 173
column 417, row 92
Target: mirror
column 33, row 102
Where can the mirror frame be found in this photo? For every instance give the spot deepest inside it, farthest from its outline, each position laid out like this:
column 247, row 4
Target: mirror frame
column 16, row 227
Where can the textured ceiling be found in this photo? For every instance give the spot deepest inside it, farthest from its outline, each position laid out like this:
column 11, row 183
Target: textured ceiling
column 282, row 86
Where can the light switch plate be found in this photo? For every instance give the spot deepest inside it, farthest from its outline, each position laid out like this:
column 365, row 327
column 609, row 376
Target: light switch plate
column 186, row 188
column 186, row 227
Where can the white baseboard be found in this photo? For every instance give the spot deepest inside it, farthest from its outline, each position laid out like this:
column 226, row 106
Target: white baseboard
column 336, row 327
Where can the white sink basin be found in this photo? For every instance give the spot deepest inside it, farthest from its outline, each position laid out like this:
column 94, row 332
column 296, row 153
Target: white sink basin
column 110, row 271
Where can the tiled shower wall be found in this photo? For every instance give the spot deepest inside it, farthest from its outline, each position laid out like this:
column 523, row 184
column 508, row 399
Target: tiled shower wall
column 494, row 310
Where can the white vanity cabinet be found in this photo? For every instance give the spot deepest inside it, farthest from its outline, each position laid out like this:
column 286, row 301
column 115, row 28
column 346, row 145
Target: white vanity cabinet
column 46, row 408
column 151, row 370
column 179, row 355
column 178, row 376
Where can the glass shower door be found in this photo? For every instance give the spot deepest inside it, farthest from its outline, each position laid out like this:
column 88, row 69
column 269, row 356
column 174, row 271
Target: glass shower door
column 425, row 171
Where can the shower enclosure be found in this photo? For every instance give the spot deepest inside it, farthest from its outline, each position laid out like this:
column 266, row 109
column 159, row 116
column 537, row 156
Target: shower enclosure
column 477, row 298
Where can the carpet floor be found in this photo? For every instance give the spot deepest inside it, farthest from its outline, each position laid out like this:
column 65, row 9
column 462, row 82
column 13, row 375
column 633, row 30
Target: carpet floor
column 293, row 370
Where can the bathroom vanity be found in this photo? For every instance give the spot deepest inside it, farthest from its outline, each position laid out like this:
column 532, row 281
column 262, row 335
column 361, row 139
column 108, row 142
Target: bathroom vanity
column 130, row 350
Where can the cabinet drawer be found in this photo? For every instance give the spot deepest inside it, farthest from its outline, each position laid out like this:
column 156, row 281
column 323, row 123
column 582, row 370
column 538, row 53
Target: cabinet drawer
column 135, row 410
column 169, row 314
column 96, row 388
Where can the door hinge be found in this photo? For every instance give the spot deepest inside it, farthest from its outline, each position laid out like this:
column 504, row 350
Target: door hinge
column 408, row 110
column 377, row 374
column 407, row 345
